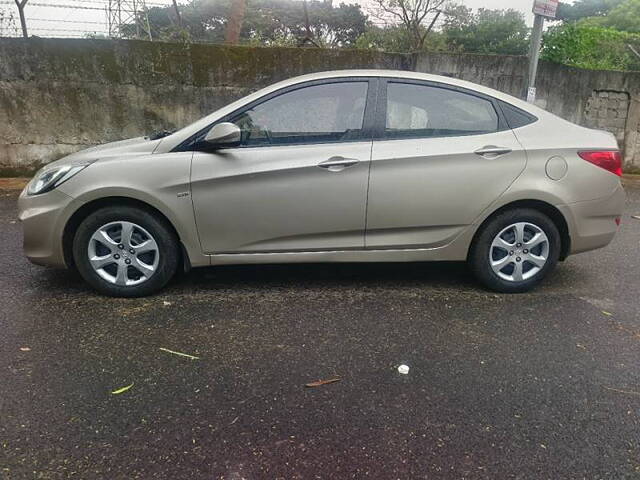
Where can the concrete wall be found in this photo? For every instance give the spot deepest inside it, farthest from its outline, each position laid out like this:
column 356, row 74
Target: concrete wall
column 59, row 96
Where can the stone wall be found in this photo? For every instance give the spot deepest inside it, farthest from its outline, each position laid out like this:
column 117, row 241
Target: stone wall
column 608, row 110
column 58, row 96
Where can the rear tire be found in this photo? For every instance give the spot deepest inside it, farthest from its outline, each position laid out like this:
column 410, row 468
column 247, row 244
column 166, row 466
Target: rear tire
column 515, row 250
column 124, row 251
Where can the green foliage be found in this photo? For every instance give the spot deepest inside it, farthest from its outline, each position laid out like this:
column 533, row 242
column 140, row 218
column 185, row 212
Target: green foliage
column 266, row 22
column 397, row 39
column 624, row 17
column 596, row 34
column 585, row 8
column 487, row 31
column 590, row 47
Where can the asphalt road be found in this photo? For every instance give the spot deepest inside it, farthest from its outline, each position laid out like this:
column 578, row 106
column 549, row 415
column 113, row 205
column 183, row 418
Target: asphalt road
column 534, row 386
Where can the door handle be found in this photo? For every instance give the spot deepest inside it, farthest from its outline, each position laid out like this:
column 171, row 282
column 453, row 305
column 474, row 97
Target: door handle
column 337, row 164
column 491, row 151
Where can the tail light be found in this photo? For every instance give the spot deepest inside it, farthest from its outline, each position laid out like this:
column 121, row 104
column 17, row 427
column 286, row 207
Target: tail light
column 610, row 160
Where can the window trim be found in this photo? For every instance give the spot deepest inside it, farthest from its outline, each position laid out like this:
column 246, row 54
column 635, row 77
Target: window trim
column 381, row 110
column 368, row 121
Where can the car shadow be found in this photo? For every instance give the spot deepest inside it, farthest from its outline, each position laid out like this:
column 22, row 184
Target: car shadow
column 349, row 275
column 252, row 278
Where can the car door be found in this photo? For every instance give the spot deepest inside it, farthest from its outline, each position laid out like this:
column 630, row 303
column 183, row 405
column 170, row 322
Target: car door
column 441, row 156
column 298, row 180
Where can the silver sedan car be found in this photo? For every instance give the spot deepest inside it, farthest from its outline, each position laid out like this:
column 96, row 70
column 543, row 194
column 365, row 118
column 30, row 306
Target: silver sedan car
column 345, row 166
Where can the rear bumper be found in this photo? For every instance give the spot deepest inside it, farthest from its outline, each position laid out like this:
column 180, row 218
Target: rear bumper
column 43, row 219
column 592, row 224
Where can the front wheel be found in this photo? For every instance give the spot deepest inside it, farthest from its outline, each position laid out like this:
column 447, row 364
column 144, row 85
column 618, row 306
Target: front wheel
column 125, row 251
column 515, row 250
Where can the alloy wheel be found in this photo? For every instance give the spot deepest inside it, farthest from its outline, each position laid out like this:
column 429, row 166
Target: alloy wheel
column 519, row 252
column 123, row 253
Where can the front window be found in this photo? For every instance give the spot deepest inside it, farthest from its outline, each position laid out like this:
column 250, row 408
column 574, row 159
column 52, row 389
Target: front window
column 324, row 113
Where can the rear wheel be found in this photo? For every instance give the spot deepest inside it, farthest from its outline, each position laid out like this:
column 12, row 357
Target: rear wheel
column 125, row 251
column 515, row 250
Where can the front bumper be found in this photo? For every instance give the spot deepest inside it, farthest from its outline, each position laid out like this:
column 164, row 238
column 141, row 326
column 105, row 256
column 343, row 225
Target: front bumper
column 592, row 224
column 43, row 219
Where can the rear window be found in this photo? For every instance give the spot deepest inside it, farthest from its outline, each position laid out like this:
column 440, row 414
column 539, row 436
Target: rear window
column 515, row 117
column 415, row 110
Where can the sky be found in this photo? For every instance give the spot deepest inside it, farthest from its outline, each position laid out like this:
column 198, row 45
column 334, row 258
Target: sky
column 89, row 16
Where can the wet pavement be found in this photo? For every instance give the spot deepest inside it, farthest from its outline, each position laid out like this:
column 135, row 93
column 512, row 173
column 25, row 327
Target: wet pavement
column 540, row 385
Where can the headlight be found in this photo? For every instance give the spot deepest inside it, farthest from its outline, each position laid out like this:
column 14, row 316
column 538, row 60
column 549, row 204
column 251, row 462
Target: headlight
column 49, row 178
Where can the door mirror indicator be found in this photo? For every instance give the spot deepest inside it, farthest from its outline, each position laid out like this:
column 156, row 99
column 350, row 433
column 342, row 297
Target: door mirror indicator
column 224, row 135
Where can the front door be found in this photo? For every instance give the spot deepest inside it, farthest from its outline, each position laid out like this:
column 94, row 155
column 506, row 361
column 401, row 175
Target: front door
column 443, row 156
column 297, row 182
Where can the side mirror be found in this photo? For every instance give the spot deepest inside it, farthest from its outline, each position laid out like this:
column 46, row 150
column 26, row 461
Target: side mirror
column 224, row 135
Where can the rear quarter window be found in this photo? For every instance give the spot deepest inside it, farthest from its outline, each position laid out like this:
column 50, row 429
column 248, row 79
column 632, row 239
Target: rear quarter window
column 516, row 117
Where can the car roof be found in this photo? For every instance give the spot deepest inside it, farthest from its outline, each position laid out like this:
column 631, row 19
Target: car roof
column 410, row 75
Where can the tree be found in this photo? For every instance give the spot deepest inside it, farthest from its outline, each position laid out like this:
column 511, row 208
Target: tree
column 590, row 47
column 624, row 17
column 23, row 22
column 418, row 17
column 585, row 8
column 457, row 16
column 266, row 22
column 8, row 26
column 396, row 38
column 234, row 21
column 487, row 31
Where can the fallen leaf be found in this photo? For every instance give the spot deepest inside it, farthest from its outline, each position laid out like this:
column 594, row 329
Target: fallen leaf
column 121, row 390
column 543, row 446
column 192, row 357
column 628, row 392
column 25, row 349
column 608, row 314
column 319, row 383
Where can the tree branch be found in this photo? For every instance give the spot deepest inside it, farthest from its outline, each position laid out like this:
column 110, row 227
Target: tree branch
column 433, row 22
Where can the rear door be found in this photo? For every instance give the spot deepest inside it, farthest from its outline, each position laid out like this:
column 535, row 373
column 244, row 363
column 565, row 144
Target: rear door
column 440, row 157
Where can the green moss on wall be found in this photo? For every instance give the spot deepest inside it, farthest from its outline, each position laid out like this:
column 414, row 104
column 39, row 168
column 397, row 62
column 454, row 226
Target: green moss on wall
column 72, row 92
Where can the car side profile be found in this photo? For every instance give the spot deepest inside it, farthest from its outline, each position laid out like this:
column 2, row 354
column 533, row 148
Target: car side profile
column 344, row 166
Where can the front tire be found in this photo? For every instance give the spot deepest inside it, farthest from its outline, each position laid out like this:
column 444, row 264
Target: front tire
column 515, row 250
column 124, row 251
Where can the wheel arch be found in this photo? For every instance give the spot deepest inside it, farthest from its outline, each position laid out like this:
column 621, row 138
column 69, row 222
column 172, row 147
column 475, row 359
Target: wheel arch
column 546, row 208
column 88, row 208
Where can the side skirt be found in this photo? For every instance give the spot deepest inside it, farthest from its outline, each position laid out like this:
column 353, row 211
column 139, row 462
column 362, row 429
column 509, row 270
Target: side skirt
column 446, row 253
